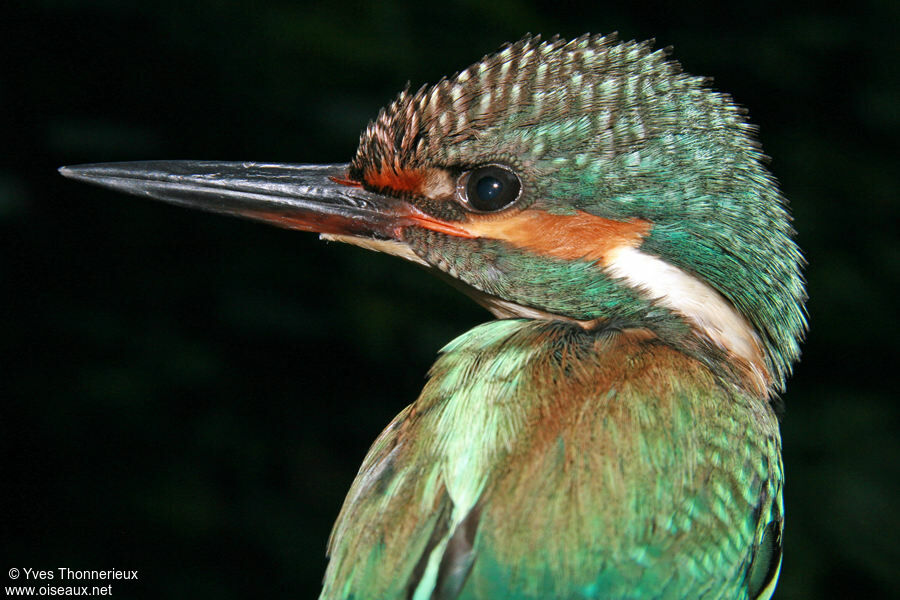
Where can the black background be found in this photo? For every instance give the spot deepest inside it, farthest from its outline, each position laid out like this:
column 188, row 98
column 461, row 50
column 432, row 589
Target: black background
column 191, row 395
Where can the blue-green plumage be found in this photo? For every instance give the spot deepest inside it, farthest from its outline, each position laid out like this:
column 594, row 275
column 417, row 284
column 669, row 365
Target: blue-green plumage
column 612, row 436
column 564, row 464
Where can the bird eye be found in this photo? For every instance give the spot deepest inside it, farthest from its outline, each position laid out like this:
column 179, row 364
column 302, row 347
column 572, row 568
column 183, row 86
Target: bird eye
column 490, row 188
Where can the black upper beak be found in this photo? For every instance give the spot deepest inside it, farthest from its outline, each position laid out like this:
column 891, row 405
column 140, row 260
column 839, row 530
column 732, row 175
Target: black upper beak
column 306, row 197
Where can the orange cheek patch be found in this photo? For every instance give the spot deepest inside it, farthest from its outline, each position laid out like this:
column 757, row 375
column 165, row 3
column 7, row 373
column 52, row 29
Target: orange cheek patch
column 568, row 237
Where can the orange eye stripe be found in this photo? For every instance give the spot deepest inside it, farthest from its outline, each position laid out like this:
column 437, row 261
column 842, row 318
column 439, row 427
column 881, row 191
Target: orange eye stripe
column 579, row 236
column 400, row 180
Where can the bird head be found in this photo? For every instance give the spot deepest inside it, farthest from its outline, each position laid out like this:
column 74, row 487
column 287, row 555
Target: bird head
column 588, row 181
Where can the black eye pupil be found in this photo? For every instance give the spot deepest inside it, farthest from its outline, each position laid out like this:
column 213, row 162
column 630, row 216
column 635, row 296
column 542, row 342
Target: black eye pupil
column 491, row 188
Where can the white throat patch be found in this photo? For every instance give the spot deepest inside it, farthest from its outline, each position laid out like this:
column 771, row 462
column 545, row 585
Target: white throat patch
column 705, row 308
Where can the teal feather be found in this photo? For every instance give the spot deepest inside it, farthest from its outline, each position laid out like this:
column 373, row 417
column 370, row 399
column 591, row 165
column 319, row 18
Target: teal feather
column 608, row 490
column 618, row 131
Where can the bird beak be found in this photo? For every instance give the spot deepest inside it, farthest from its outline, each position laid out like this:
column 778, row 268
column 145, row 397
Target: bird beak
column 316, row 198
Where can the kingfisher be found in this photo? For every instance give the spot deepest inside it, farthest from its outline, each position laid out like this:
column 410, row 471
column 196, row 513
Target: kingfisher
column 613, row 433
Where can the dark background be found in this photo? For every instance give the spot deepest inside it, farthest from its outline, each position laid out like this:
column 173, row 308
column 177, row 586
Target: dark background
column 191, row 395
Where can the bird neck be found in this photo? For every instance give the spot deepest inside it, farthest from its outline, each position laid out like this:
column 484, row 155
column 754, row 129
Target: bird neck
column 631, row 289
column 679, row 310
